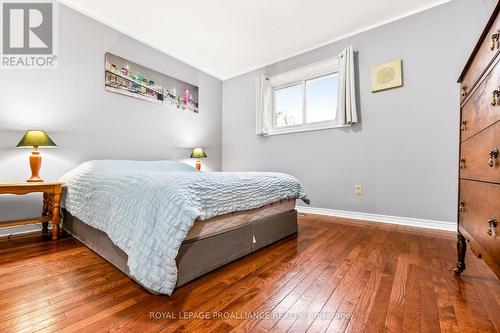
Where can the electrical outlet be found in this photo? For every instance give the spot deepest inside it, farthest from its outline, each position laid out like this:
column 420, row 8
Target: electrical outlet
column 358, row 190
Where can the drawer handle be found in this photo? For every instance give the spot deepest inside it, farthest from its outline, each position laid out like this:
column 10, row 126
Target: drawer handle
column 464, row 125
column 494, row 97
column 461, row 207
column 492, row 224
column 493, row 157
column 462, row 164
column 494, row 41
column 463, row 91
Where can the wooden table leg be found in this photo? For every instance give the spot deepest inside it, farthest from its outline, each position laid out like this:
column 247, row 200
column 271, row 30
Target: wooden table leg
column 56, row 204
column 45, row 211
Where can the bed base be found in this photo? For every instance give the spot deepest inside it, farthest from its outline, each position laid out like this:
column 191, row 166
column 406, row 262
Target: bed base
column 196, row 257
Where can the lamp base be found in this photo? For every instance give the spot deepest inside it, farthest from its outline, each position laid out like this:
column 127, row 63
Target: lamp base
column 198, row 165
column 34, row 180
column 35, row 165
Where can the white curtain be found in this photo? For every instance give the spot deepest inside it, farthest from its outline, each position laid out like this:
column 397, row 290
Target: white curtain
column 346, row 100
column 263, row 105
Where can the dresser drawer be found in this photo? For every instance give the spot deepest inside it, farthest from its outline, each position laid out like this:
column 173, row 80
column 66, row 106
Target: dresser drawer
column 479, row 206
column 486, row 52
column 478, row 160
column 483, row 108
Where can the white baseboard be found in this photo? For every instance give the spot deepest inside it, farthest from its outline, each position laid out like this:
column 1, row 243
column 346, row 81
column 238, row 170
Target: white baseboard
column 408, row 221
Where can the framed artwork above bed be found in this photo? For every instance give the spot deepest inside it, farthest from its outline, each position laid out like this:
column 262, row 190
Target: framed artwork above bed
column 131, row 79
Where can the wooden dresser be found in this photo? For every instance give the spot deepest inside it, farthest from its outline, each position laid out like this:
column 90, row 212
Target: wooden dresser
column 479, row 164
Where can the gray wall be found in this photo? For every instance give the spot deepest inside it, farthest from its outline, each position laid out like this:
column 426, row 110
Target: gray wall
column 404, row 152
column 87, row 122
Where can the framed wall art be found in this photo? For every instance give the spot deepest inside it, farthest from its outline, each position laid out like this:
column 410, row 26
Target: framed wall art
column 128, row 78
column 387, row 76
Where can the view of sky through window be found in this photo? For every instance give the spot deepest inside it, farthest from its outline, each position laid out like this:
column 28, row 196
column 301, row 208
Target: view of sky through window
column 321, row 99
column 288, row 105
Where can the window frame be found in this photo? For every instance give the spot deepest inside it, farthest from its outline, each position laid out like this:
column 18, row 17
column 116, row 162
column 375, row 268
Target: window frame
column 301, row 76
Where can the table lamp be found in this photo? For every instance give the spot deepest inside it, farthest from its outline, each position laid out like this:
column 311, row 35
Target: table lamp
column 198, row 153
column 35, row 139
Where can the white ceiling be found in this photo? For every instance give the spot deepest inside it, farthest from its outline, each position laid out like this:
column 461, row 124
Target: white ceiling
column 226, row 38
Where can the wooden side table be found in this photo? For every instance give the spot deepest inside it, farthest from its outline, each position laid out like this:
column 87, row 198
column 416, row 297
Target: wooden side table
column 51, row 203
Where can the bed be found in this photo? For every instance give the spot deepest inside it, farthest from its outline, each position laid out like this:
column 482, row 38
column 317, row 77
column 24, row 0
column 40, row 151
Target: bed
column 164, row 224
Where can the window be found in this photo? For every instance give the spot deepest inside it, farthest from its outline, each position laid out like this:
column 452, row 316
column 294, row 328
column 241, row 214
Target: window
column 311, row 101
column 304, row 99
column 318, row 96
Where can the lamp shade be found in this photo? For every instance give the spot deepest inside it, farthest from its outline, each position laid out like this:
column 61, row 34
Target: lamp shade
column 36, row 138
column 198, row 153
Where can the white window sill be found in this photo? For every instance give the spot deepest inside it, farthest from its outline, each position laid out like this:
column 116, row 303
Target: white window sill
column 303, row 128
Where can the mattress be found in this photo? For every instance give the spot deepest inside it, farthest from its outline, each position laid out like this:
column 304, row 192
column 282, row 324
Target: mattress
column 223, row 223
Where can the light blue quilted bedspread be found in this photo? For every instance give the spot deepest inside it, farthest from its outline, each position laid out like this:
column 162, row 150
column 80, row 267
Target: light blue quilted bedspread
column 147, row 208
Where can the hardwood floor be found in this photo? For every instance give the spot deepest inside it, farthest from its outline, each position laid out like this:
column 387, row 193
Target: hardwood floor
column 356, row 277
